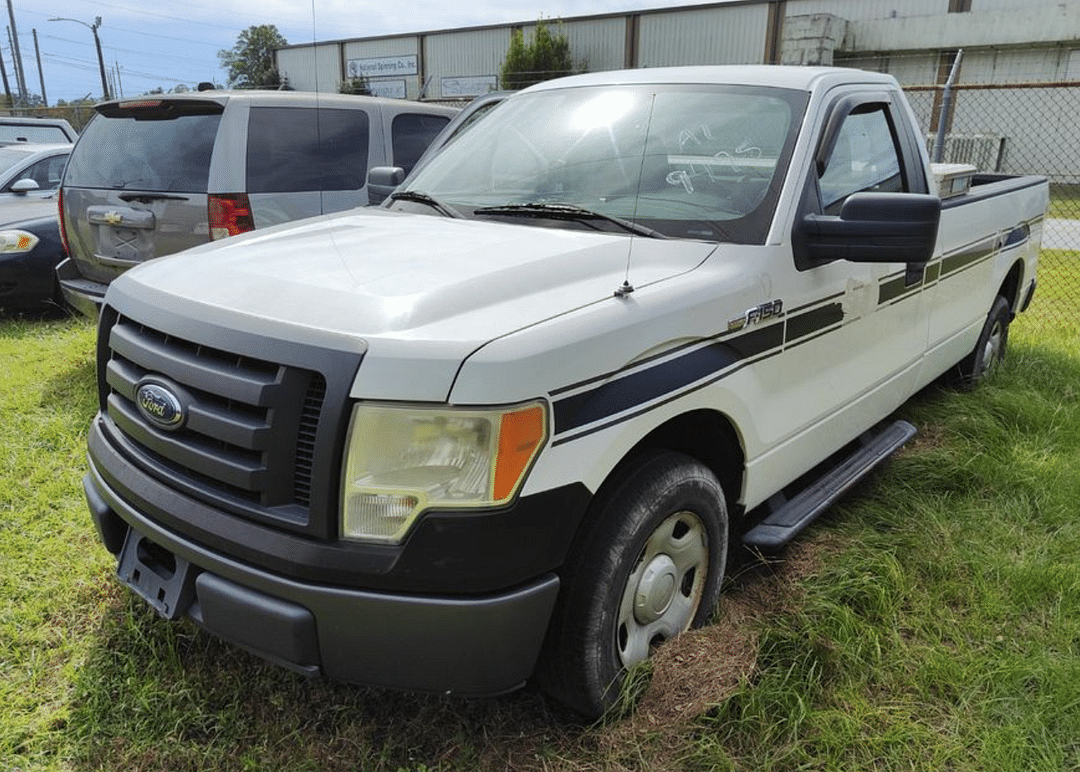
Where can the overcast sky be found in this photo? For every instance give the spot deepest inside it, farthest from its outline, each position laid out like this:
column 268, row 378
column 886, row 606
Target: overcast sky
column 151, row 44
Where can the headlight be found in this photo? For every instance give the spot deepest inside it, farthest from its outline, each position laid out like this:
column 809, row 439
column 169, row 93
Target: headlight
column 400, row 461
column 16, row 242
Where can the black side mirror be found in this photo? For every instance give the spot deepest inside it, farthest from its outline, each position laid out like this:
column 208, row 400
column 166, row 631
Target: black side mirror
column 874, row 228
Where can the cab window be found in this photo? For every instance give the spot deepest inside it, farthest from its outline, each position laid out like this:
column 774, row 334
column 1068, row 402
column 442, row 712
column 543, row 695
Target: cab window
column 865, row 158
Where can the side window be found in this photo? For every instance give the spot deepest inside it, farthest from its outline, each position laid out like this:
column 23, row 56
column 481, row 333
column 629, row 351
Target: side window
column 865, row 158
column 296, row 149
column 46, row 173
column 411, row 133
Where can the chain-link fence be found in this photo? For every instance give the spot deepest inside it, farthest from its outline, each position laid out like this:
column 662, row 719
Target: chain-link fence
column 1021, row 128
column 1007, row 112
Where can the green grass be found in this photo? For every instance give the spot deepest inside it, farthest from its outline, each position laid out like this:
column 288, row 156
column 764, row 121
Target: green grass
column 1057, row 298
column 931, row 621
column 1065, row 202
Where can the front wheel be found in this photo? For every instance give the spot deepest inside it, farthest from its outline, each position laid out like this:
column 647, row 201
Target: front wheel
column 989, row 350
column 649, row 568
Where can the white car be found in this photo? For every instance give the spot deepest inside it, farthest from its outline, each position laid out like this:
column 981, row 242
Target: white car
column 29, row 170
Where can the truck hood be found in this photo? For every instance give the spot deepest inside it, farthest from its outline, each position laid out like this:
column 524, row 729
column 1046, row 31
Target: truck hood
column 404, row 285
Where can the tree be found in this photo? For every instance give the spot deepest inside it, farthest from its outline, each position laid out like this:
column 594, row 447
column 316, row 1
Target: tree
column 357, row 86
column 250, row 63
column 546, row 56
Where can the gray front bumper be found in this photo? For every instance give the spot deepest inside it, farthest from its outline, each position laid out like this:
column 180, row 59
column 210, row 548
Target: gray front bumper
column 465, row 645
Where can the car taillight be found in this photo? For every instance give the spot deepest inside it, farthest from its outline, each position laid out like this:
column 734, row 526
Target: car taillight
column 63, row 234
column 230, row 215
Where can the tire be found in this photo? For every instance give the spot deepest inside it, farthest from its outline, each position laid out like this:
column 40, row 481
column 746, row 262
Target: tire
column 989, row 351
column 649, row 567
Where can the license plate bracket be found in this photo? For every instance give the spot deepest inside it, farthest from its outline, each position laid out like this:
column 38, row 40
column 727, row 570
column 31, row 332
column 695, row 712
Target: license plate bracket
column 164, row 580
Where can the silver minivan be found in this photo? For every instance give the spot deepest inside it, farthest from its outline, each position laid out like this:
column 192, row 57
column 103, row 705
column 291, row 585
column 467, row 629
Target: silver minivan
column 155, row 175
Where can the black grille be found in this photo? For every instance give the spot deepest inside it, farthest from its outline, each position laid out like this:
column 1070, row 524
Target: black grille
column 251, row 428
column 305, row 440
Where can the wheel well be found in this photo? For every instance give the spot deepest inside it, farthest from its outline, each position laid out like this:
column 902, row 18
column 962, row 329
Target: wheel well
column 706, row 436
column 1010, row 288
column 709, row 437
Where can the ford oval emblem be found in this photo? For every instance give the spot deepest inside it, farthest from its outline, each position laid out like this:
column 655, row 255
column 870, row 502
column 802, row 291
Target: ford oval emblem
column 159, row 406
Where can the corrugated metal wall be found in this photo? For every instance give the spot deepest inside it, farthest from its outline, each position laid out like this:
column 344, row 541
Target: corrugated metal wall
column 456, row 61
column 858, row 10
column 311, row 68
column 733, row 35
column 399, row 57
column 910, row 70
column 599, row 43
column 881, row 34
column 1003, row 5
column 1014, row 66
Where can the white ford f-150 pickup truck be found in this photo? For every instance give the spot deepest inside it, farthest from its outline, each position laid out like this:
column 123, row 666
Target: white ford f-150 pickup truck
column 511, row 423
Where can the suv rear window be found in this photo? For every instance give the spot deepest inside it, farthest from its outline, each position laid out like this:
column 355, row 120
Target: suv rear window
column 295, row 149
column 163, row 150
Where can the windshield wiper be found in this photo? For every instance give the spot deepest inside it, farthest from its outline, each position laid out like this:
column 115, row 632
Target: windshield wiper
column 423, row 198
column 567, row 212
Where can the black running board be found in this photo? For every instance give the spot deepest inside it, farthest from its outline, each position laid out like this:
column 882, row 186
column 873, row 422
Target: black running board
column 792, row 516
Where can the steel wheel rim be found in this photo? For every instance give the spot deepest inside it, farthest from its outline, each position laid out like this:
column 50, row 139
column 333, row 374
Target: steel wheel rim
column 992, row 350
column 664, row 589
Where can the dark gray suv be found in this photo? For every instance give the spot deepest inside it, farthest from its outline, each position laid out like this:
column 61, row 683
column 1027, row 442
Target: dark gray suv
column 156, row 175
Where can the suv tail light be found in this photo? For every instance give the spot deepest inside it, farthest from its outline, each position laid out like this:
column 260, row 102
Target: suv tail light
column 63, row 233
column 230, row 215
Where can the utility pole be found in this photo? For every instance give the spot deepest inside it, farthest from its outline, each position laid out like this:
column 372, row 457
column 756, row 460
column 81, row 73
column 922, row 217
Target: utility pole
column 37, row 53
column 97, row 42
column 15, row 70
column 15, row 49
column 7, row 87
column 100, row 58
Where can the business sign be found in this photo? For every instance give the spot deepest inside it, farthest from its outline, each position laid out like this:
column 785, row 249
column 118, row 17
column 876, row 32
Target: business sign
column 391, row 89
column 469, row 86
column 381, row 66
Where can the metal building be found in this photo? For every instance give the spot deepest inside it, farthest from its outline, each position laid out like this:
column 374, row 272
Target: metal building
column 1004, row 40
column 1007, row 44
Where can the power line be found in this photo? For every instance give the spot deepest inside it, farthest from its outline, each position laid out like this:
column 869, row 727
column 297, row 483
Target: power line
column 129, row 51
column 64, row 61
column 129, row 9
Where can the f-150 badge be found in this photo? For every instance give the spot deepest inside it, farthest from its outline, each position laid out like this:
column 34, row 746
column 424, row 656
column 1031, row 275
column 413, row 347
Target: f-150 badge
column 769, row 310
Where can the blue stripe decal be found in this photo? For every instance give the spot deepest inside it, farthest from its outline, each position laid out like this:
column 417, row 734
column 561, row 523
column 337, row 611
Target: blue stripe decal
column 616, row 393
column 629, row 391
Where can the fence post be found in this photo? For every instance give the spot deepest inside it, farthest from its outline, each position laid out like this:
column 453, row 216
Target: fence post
column 946, row 109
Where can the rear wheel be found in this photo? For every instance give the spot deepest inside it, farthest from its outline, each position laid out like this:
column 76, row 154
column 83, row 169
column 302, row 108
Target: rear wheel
column 989, row 351
column 648, row 569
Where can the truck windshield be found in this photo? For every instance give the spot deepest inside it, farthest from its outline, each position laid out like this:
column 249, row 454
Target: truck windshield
column 699, row 162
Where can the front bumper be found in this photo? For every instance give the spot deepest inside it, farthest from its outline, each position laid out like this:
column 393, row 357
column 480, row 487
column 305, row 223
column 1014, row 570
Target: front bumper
column 462, row 644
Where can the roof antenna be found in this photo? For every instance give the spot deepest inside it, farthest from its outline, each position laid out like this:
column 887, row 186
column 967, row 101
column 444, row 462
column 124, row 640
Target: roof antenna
column 626, row 287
